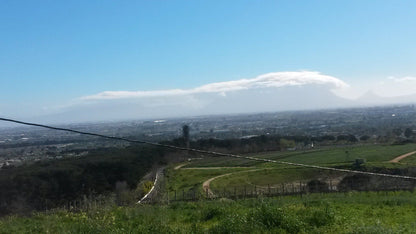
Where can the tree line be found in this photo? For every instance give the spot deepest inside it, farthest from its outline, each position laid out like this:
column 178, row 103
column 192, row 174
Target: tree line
column 53, row 183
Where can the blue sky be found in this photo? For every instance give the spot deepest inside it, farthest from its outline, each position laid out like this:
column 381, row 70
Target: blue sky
column 54, row 52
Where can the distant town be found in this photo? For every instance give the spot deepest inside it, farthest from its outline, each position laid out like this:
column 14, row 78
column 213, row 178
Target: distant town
column 387, row 124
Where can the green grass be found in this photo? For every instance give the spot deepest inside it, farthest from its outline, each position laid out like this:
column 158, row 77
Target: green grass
column 366, row 212
column 222, row 162
column 269, row 176
column 185, row 179
column 376, row 156
column 372, row 153
column 330, row 156
column 410, row 160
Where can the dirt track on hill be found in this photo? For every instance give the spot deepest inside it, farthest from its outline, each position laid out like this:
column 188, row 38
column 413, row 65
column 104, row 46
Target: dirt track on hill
column 397, row 159
column 206, row 184
column 212, row 168
column 180, row 166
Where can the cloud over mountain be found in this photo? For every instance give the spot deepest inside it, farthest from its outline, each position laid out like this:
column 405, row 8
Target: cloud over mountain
column 279, row 91
column 269, row 80
column 265, row 93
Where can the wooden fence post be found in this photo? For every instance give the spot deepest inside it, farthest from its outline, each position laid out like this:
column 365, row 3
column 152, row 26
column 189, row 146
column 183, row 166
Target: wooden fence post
column 330, row 185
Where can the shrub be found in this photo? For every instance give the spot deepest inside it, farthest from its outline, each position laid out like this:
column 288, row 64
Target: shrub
column 210, row 213
column 315, row 186
column 270, row 217
column 320, row 218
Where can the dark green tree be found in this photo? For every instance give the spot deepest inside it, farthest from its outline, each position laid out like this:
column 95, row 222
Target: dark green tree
column 408, row 132
column 185, row 135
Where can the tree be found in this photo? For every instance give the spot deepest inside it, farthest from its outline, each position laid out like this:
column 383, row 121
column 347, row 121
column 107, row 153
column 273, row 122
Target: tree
column 408, row 132
column 185, row 135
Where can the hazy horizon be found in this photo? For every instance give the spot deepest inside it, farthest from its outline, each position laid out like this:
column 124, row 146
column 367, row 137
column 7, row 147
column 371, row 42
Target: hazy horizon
column 101, row 60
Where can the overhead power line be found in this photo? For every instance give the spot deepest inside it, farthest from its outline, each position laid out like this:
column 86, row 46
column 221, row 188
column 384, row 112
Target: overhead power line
column 206, row 151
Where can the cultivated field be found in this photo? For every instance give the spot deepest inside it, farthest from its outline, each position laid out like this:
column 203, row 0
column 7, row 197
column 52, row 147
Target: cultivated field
column 233, row 173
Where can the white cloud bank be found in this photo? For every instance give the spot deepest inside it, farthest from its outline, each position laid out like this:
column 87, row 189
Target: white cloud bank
column 269, row 80
column 395, row 86
column 279, row 91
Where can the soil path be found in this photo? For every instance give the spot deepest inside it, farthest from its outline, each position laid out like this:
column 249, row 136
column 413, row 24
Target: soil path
column 180, row 165
column 211, row 168
column 206, row 184
column 150, row 194
column 397, row 159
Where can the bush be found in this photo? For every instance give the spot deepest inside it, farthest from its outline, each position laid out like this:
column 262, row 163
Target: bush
column 316, row 186
column 210, row 213
column 321, row 217
column 233, row 223
column 270, row 217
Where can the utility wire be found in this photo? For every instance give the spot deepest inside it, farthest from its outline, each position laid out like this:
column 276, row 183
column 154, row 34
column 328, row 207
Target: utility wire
column 206, row 151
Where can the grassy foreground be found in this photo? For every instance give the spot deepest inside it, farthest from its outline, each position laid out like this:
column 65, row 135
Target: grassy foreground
column 366, row 212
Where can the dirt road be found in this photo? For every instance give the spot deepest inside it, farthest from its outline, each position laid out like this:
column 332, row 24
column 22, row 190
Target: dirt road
column 180, row 165
column 397, row 159
column 211, row 168
column 151, row 193
column 206, row 184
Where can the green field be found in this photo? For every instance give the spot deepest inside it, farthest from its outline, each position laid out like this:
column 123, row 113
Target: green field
column 326, row 156
column 372, row 153
column 272, row 174
column 350, row 212
column 269, row 177
column 186, row 179
column 365, row 212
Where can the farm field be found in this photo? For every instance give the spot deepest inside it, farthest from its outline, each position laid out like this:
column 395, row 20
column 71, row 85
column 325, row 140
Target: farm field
column 261, row 174
column 326, row 156
column 341, row 212
column 185, row 179
column 353, row 212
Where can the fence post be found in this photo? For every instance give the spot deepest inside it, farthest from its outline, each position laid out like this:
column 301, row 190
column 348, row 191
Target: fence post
column 175, row 195
column 397, row 185
column 235, row 193
column 183, row 194
column 330, row 185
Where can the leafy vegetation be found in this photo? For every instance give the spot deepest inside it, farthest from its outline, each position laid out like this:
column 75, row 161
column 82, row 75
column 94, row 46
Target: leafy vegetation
column 186, row 179
column 354, row 212
column 49, row 184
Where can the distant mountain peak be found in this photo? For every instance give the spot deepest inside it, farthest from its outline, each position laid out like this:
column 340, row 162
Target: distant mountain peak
column 370, row 94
